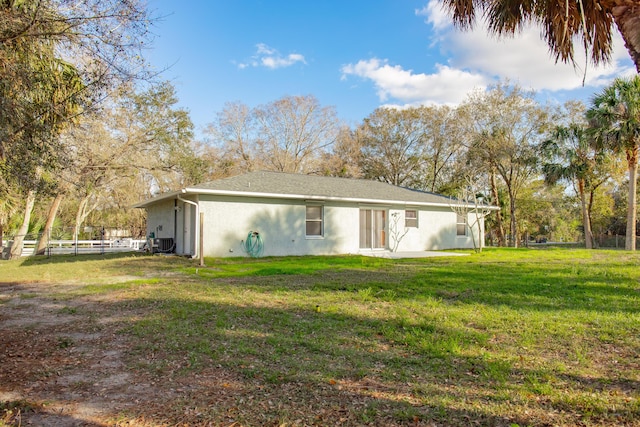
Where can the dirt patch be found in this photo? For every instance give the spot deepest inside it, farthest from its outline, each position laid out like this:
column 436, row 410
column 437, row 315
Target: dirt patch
column 61, row 365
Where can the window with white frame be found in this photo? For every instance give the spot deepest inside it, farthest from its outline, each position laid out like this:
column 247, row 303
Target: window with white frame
column 315, row 221
column 461, row 225
column 411, row 218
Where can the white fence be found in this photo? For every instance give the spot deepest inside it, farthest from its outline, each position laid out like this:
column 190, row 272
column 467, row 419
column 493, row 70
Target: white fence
column 76, row 247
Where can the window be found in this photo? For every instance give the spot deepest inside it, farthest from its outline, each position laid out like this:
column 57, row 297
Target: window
column 411, row 218
column 461, row 225
column 315, row 217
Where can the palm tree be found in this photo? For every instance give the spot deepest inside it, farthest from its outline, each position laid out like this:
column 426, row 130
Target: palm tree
column 615, row 121
column 570, row 156
column 588, row 20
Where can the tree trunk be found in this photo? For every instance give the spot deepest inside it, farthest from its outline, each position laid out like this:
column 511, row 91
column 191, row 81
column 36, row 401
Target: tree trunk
column 496, row 198
column 586, row 223
column 632, row 159
column 589, row 209
column 18, row 240
column 80, row 216
column 46, row 232
column 627, row 18
column 514, row 224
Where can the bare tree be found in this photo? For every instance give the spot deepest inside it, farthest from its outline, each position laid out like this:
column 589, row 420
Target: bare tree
column 234, row 133
column 345, row 158
column 291, row 134
column 469, row 205
column 396, row 232
column 294, row 133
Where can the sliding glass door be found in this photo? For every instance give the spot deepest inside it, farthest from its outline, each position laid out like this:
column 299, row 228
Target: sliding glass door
column 372, row 229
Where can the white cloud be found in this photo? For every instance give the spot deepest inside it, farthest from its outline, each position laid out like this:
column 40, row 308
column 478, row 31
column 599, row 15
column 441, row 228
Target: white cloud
column 263, row 49
column 446, row 86
column 474, row 59
column 524, row 58
column 269, row 57
column 435, row 15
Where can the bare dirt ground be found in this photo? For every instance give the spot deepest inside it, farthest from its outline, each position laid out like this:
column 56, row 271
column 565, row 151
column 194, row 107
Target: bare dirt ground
column 62, row 361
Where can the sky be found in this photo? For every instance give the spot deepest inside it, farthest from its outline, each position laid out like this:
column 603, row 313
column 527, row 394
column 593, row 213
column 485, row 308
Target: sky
column 352, row 55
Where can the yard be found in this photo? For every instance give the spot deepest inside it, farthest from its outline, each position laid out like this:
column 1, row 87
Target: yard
column 508, row 337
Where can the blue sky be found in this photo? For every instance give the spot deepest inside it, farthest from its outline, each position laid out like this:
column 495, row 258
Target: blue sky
column 350, row 54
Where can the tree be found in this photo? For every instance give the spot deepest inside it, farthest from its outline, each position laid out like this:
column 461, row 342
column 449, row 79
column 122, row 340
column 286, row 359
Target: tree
column 56, row 59
column 396, row 233
column 571, row 156
column 603, row 213
column 57, row 56
column 159, row 136
column 345, row 158
column 469, row 205
column 294, row 133
column 443, row 146
column 37, row 88
column 615, row 121
column 9, row 201
column 18, row 239
column 392, row 143
column 548, row 212
column 563, row 22
column 235, row 132
column 142, row 134
column 43, row 241
column 506, row 127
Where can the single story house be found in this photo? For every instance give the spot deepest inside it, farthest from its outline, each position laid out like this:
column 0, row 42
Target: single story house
column 296, row 214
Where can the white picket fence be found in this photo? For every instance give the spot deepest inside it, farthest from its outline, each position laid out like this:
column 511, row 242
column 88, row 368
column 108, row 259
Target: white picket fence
column 62, row 247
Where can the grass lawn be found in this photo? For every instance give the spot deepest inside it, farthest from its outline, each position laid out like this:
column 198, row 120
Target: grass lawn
column 512, row 337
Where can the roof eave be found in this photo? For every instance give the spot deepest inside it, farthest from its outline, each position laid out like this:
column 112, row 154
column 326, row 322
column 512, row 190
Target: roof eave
column 302, row 197
column 156, row 199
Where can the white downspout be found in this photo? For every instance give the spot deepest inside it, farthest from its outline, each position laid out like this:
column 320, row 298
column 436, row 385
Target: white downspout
column 195, row 255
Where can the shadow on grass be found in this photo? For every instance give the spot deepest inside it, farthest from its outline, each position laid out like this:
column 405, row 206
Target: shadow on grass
column 295, row 363
column 552, row 288
column 65, row 259
column 386, row 377
column 232, row 347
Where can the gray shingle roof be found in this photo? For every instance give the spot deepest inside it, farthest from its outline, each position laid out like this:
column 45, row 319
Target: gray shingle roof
column 318, row 187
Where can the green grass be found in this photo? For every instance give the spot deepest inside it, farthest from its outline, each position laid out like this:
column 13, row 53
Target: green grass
column 523, row 337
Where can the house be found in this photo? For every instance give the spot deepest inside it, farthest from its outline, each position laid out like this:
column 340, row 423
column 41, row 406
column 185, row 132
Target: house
column 293, row 214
